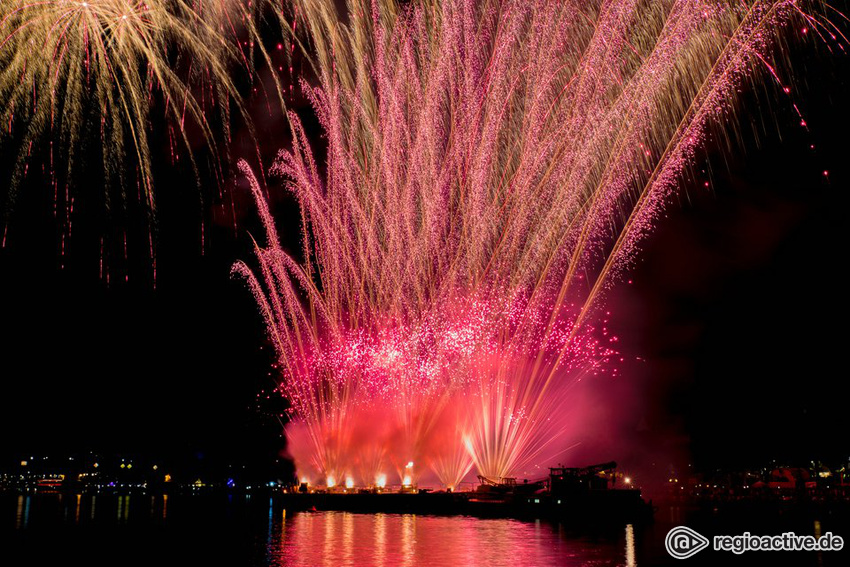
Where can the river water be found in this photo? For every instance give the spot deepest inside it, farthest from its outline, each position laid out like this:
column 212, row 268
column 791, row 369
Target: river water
column 255, row 531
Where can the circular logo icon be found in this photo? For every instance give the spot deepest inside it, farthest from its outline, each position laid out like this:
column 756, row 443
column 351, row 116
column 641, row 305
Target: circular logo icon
column 683, row 542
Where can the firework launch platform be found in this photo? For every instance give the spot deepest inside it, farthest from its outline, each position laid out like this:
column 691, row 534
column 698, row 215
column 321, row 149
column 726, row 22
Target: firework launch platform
column 569, row 495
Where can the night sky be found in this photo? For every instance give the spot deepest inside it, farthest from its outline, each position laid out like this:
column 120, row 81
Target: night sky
column 738, row 307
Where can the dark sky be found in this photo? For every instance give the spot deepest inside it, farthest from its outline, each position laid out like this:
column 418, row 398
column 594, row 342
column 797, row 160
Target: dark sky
column 738, row 307
column 739, row 303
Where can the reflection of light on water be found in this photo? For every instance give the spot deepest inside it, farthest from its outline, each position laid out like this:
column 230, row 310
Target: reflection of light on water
column 22, row 517
column 630, row 546
column 408, row 539
column 271, row 519
column 123, row 508
column 280, row 540
column 349, row 543
column 380, row 538
column 330, row 530
column 20, row 512
column 405, row 540
column 164, row 505
column 77, row 511
column 818, row 533
column 91, row 512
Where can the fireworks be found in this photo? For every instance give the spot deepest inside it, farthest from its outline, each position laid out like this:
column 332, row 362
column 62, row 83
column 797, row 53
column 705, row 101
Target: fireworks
column 491, row 170
column 81, row 79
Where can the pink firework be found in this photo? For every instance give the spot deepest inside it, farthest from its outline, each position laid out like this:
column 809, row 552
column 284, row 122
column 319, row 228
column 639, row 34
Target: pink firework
column 491, row 169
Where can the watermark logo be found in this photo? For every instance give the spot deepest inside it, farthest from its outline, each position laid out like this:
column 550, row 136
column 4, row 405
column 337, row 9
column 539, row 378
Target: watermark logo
column 788, row 541
column 683, row 542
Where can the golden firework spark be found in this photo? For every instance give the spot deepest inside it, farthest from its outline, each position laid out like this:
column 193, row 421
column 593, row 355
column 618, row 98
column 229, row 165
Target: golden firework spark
column 73, row 66
column 87, row 79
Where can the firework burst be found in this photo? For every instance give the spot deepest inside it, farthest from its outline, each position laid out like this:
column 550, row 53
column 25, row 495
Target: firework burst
column 491, row 169
column 82, row 78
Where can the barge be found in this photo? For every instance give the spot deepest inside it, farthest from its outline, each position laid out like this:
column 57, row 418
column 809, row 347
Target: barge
column 569, row 495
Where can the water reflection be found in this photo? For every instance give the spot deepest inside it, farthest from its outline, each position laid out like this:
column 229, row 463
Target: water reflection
column 408, row 527
column 630, row 546
column 380, row 538
column 818, row 533
column 341, row 538
column 222, row 529
column 123, row 508
column 22, row 516
column 281, row 539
